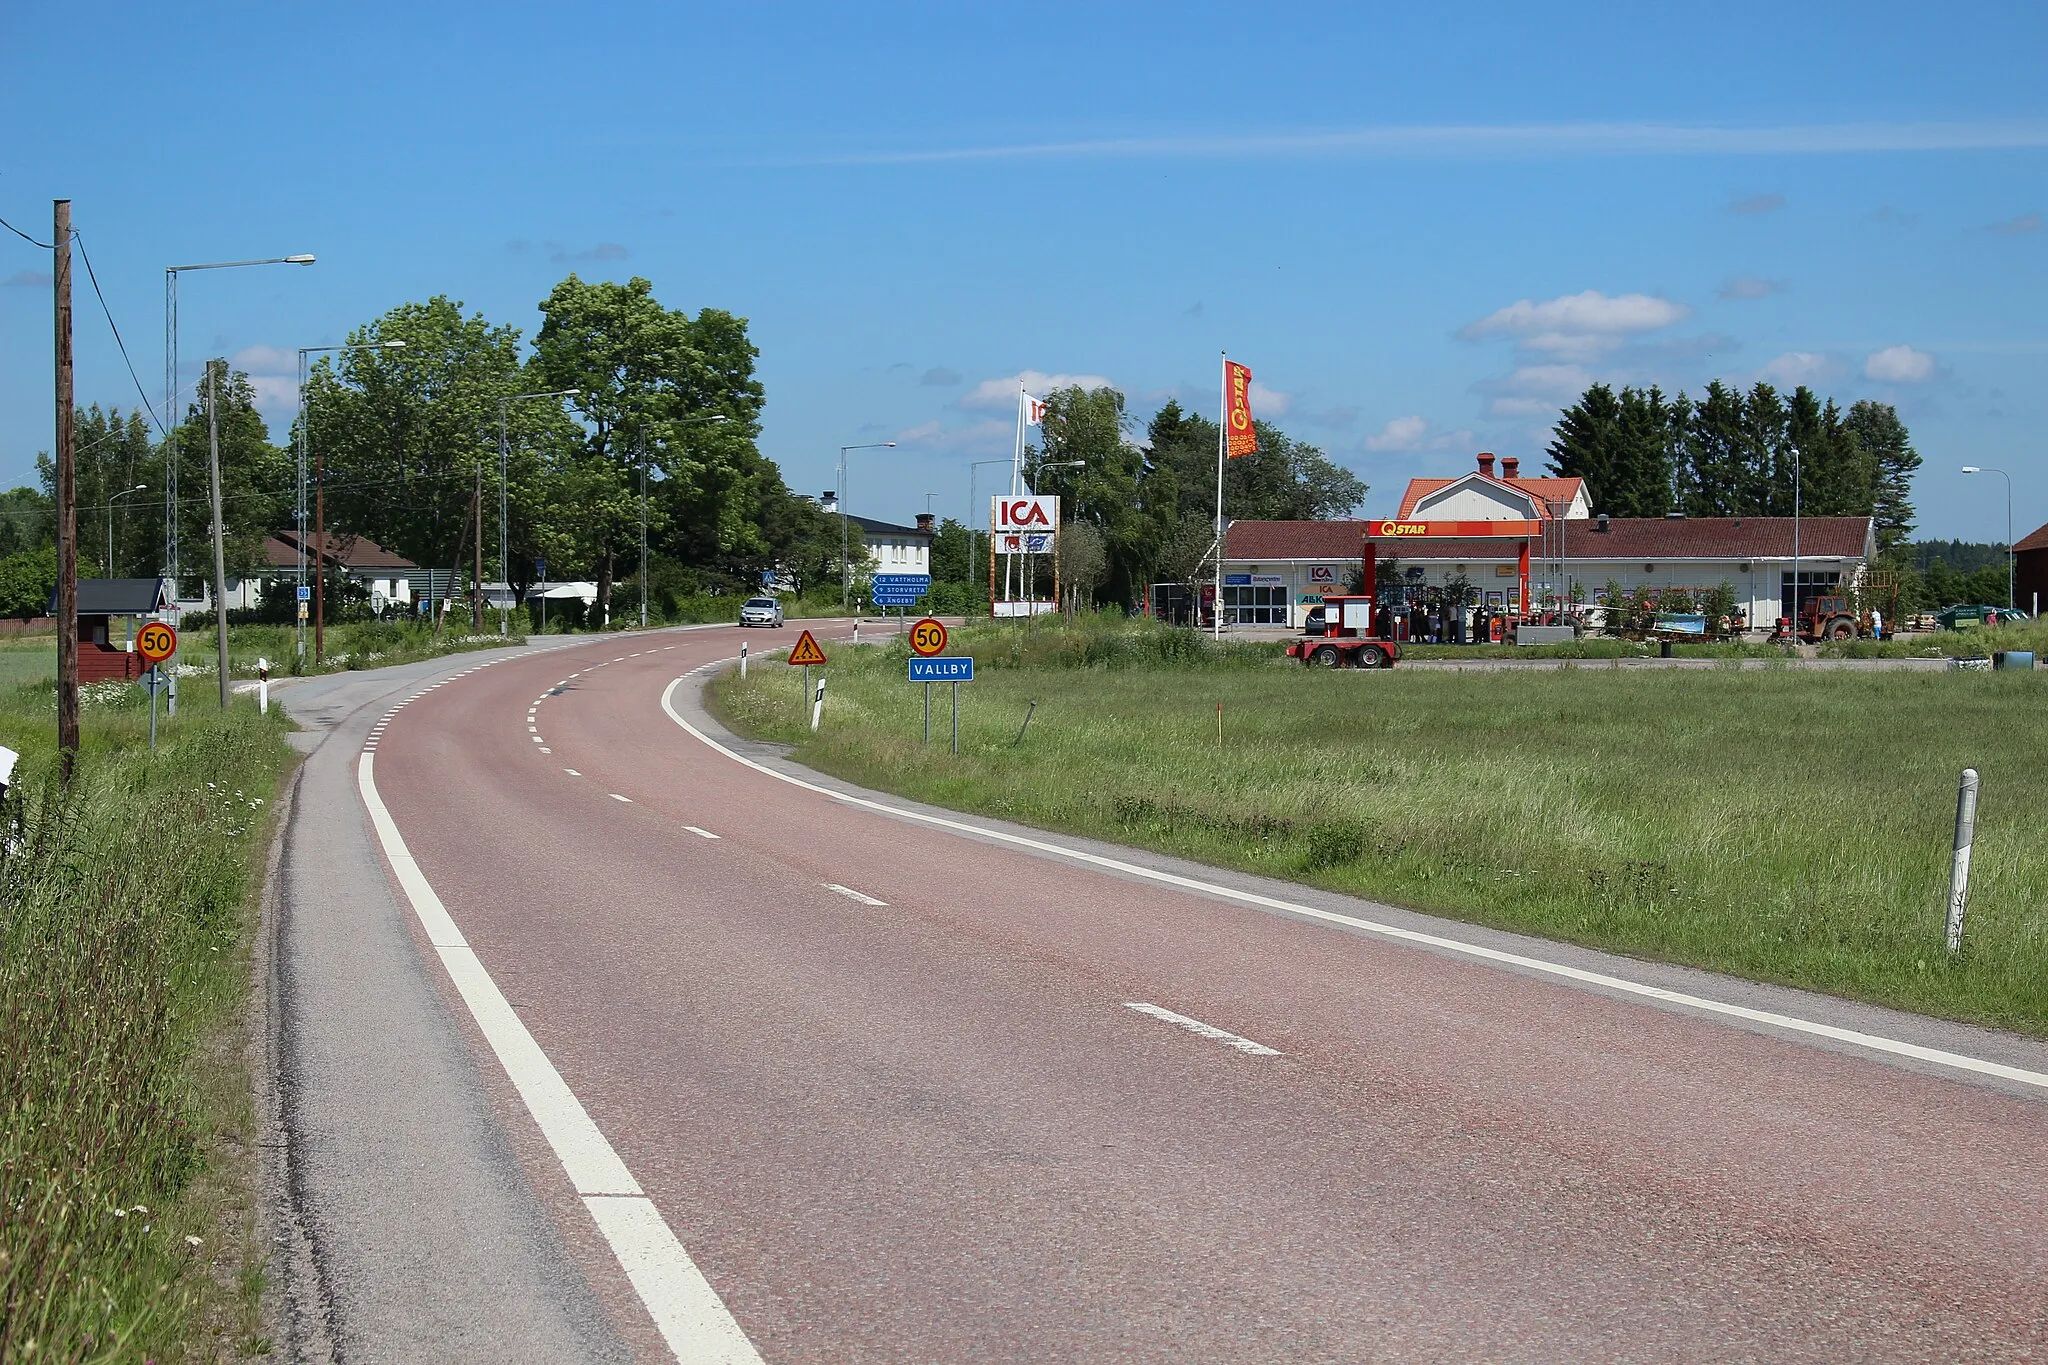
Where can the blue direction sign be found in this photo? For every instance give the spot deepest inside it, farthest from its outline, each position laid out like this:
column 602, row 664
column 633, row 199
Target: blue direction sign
column 898, row 589
column 305, row 593
column 942, row 669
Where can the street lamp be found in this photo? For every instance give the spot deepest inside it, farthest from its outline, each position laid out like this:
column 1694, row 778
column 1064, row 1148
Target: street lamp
column 124, row 493
column 1795, row 549
column 681, row 422
column 171, row 274
column 306, row 440
column 1043, row 465
column 504, row 505
column 973, row 473
column 845, row 535
column 2010, row 605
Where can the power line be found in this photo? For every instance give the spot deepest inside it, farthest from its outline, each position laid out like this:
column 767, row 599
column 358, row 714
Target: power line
column 79, row 238
column 24, row 236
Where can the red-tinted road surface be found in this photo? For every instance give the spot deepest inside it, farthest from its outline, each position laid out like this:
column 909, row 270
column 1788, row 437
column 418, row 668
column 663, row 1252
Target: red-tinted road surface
column 933, row 1130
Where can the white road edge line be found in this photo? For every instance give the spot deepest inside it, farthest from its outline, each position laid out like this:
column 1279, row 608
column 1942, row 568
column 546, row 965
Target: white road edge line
column 700, row 833
column 693, row 1320
column 853, row 895
column 1206, row 1030
column 1790, row 1023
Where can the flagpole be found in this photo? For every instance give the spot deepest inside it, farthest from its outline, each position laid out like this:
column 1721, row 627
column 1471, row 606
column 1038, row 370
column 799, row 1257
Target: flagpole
column 1222, row 440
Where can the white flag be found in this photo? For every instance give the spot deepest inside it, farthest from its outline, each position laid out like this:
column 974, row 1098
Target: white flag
column 1034, row 409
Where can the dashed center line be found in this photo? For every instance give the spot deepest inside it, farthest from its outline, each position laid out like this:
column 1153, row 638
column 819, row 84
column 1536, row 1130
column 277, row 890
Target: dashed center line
column 1206, row 1030
column 616, row 797
column 700, row 833
column 572, row 772
column 852, row 894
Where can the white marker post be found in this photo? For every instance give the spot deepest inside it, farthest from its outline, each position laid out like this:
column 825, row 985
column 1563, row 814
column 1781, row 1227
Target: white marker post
column 1959, row 870
column 818, row 704
column 743, row 661
column 262, row 685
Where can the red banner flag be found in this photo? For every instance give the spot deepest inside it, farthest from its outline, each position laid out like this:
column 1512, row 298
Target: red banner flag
column 1240, row 438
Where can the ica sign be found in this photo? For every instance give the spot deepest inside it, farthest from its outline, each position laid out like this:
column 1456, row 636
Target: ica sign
column 1018, row 515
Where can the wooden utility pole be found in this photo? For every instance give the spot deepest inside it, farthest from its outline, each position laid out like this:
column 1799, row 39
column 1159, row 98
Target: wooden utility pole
column 476, row 591
column 67, row 505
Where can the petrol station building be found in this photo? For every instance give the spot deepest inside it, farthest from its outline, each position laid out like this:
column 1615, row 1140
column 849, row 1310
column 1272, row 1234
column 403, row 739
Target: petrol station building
column 1524, row 543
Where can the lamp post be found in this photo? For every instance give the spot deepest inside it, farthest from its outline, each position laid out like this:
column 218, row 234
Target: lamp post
column 505, row 564
column 171, row 274
column 845, row 534
column 682, row 422
column 2010, row 604
column 111, row 502
column 1795, row 547
column 299, row 525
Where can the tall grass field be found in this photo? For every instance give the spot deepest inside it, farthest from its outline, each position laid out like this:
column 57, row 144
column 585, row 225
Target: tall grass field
column 126, row 1126
column 1780, row 824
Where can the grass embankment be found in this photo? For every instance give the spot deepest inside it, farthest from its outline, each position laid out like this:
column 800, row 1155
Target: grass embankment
column 1785, row 825
column 126, row 1126
column 1944, row 643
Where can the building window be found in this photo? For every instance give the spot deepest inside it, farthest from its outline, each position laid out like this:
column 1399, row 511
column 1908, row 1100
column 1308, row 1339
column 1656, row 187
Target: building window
column 1259, row 606
column 1812, row 584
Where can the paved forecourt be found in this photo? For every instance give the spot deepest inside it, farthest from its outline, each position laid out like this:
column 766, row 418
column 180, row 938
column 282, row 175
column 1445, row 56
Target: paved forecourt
column 896, row 1090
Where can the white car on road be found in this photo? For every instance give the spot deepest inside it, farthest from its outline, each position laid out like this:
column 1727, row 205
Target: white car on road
column 761, row 611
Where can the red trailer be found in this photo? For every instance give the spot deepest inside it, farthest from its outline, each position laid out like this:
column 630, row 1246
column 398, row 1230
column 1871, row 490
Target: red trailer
column 1349, row 638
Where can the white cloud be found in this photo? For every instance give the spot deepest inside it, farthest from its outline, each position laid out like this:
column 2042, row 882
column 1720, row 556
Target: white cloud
column 1534, row 390
column 275, row 392
column 1758, row 203
column 1746, row 287
column 1002, row 393
column 1269, row 404
column 265, row 360
column 1412, row 434
column 1560, row 322
column 1399, row 434
column 2013, row 227
column 1443, row 141
column 990, row 436
column 1801, row 367
column 1899, row 365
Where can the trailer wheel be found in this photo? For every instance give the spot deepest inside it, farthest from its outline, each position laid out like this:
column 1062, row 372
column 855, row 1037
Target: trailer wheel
column 1842, row 628
column 1329, row 656
column 1372, row 656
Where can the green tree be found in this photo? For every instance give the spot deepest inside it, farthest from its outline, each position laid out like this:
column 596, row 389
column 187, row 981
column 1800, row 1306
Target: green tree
column 1621, row 445
column 27, row 578
column 404, row 434
column 953, row 554
column 1877, row 430
column 256, row 480
column 643, row 371
column 28, row 520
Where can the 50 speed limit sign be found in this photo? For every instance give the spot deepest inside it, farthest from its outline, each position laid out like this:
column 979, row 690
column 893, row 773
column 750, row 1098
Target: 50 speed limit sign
column 928, row 637
column 156, row 642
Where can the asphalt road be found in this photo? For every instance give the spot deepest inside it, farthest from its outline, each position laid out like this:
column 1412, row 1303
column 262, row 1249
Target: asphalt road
column 884, row 1080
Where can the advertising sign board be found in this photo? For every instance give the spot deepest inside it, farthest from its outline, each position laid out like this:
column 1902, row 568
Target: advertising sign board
column 1024, row 513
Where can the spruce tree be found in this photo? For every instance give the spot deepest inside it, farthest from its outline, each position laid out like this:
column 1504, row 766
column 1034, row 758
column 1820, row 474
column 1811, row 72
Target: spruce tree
column 1583, row 446
column 1882, row 437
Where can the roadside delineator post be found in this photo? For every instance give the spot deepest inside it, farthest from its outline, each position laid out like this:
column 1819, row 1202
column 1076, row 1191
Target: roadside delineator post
column 1959, row 869
column 743, row 661
column 262, row 686
column 818, row 702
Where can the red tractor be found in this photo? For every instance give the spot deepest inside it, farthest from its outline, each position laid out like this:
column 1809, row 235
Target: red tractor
column 1827, row 618
column 1342, row 637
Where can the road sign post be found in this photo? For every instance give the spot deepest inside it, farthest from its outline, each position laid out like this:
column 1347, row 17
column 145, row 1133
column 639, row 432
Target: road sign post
column 954, row 670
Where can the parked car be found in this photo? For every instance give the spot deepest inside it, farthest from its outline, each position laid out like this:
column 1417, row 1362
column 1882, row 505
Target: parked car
column 761, row 611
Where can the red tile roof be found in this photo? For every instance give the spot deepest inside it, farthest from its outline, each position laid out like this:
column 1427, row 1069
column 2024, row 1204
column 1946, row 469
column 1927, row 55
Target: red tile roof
column 1626, row 538
column 1543, row 490
column 281, row 551
column 2037, row 541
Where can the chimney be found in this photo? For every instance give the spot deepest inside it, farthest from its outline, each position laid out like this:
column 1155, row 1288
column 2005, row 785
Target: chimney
column 1511, row 467
column 1486, row 463
column 1601, row 521
column 924, row 522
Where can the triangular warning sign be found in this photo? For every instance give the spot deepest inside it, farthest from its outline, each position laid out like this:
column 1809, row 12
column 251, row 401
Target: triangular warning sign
column 806, row 651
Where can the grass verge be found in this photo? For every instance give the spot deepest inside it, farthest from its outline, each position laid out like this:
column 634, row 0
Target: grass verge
column 126, row 909
column 1783, row 825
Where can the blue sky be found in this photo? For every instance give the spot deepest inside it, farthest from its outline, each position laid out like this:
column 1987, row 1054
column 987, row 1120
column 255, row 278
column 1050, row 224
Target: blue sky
column 1424, row 227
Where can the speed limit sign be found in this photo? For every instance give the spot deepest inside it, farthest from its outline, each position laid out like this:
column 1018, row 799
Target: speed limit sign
column 156, row 642
column 928, row 637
